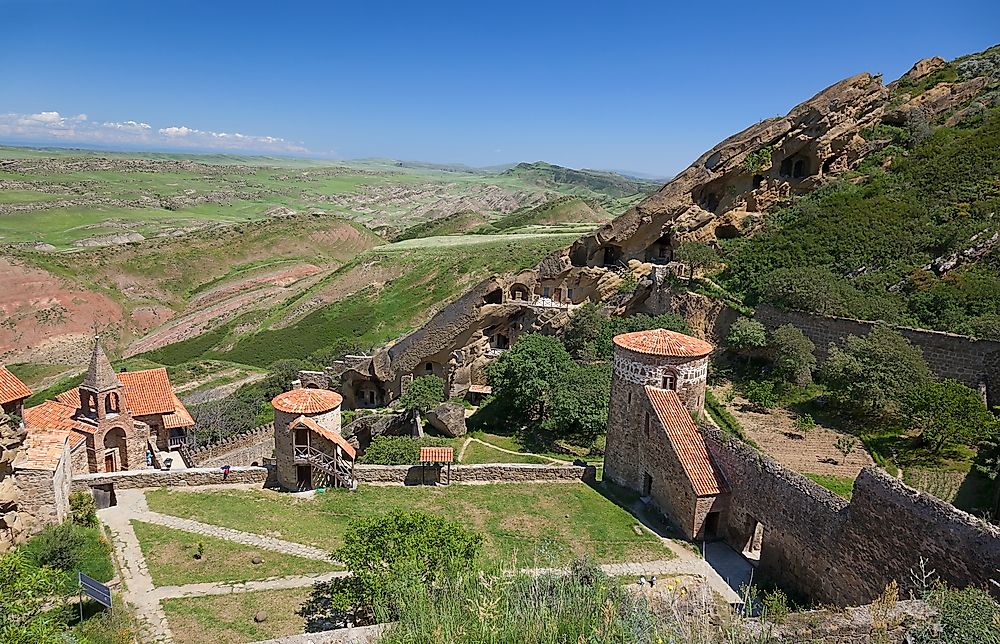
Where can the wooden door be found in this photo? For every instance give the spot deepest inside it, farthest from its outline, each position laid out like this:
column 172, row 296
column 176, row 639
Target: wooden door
column 109, row 462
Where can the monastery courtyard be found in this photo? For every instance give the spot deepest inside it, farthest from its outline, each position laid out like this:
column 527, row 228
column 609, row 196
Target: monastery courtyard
column 261, row 551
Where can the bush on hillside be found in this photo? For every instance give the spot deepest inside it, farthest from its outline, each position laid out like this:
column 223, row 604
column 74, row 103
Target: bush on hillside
column 27, row 594
column 589, row 334
column 745, row 335
column 794, row 358
column 946, row 412
column 72, row 548
column 761, row 394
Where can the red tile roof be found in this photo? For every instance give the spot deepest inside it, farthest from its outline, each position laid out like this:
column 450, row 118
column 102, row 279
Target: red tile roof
column 53, row 414
column 179, row 417
column 307, row 401
column 70, row 398
column 437, row 455
column 660, row 342
column 330, row 434
column 147, row 392
column 44, row 449
column 11, row 387
column 687, row 442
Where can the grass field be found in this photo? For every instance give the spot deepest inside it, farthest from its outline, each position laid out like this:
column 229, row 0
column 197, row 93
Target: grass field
column 169, row 555
column 839, row 485
column 229, row 618
column 477, row 453
column 538, row 523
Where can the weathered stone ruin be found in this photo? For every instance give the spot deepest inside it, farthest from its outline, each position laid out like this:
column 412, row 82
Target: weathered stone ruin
column 12, row 435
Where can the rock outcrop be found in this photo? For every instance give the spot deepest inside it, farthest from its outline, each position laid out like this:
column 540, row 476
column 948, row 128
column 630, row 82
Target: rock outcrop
column 12, row 435
column 448, row 419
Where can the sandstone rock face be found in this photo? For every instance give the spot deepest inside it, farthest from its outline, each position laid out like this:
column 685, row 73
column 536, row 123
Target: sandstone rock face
column 449, row 419
column 925, row 67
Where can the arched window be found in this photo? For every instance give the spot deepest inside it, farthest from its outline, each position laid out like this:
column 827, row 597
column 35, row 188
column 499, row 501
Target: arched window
column 670, row 380
column 112, row 404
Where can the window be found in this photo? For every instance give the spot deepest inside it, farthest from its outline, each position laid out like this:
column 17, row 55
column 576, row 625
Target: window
column 569, row 294
column 670, row 380
column 558, row 295
column 429, row 367
column 545, row 291
column 371, row 397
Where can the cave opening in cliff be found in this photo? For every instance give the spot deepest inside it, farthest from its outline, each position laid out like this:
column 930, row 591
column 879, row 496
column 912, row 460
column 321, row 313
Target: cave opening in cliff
column 612, row 255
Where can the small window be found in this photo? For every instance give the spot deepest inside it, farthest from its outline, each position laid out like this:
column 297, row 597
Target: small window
column 371, row 397
column 545, row 291
column 558, row 295
column 670, row 381
column 569, row 294
column 630, row 398
column 429, row 367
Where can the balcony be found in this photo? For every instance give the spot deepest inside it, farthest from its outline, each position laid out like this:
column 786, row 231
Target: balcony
column 177, row 441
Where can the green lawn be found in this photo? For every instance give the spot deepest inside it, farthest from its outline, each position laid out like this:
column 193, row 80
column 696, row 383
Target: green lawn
column 477, row 453
column 170, row 554
column 542, row 523
column 229, row 618
column 839, row 485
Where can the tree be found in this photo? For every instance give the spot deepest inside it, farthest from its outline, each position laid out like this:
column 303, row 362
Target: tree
column 794, row 359
column 579, row 411
column 377, row 549
column 875, row 373
column 583, row 331
column 84, row 509
column 696, row 255
column 525, row 378
column 32, row 610
column 280, row 375
column 217, row 419
column 946, row 412
column 761, row 394
column 588, row 336
column 745, row 335
column 844, row 445
column 423, row 394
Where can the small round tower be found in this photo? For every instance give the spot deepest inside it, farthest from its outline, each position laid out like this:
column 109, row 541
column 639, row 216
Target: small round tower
column 320, row 405
column 657, row 358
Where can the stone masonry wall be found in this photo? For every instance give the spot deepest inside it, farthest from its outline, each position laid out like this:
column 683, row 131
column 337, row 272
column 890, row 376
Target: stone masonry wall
column 160, row 478
column 845, row 554
column 243, row 449
column 493, row 473
column 973, row 362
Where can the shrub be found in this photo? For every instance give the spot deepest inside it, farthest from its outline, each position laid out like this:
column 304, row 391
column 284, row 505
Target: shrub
column 398, row 450
column 805, row 423
column 845, row 445
column 696, row 255
column 59, row 546
column 794, row 360
column 775, row 603
column 378, row 550
column 84, row 509
column 628, row 285
column 746, row 334
column 27, row 613
column 965, row 616
column 947, row 412
column 761, row 394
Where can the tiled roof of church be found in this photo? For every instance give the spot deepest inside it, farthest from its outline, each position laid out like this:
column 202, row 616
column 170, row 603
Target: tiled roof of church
column 307, row 401
column 661, row 342
column 687, row 442
column 11, row 387
column 330, row 434
column 148, row 392
column 53, row 414
column 100, row 376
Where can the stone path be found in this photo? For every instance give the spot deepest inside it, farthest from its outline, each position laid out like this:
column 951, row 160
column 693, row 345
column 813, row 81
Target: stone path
column 225, row 588
column 245, row 538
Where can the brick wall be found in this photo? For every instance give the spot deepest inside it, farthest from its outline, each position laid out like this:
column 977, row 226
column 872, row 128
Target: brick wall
column 845, row 553
column 492, row 473
column 973, row 362
column 159, row 478
column 246, row 448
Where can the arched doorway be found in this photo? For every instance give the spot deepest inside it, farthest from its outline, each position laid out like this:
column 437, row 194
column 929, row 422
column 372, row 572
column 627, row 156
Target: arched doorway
column 115, row 452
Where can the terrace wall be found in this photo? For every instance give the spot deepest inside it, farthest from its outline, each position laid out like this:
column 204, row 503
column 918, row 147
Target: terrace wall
column 845, row 553
column 170, row 478
column 248, row 448
column 491, row 473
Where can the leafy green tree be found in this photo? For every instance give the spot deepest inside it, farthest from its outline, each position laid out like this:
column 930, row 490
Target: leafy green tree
column 745, row 335
column 377, row 550
column 696, row 255
column 32, row 606
column 794, row 359
column 423, row 394
column 525, row 378
column 579, row 412
column 947, row 412
column 845, row 445
column 280, row 375
column 874, row 374
column 583, row 331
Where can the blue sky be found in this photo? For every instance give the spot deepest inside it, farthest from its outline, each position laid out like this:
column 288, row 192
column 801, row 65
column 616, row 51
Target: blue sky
column 627, row 85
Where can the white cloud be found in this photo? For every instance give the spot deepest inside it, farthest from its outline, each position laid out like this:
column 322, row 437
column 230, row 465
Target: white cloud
column 45, row 126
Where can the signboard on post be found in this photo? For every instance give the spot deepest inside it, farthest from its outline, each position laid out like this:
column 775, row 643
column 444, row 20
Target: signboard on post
column 95, row 590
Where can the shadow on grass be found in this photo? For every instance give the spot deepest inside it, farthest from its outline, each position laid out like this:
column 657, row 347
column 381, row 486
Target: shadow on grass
column 629, row 501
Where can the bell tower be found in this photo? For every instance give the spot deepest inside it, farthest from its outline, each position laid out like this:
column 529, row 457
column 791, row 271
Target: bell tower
column 101, row 390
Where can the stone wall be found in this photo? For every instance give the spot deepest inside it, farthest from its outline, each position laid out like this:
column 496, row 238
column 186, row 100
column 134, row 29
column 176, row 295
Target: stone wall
column 246, row 448
column 160, row 478
column 844, row 553
column 11, row 443
column 973, row 362
column 492, row 473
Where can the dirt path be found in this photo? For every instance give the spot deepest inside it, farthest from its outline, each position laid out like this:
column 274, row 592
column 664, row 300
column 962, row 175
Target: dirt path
column 551, row 461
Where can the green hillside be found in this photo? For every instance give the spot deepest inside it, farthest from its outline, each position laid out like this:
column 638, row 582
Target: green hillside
column 597, row 181
column 910, row 238
column 456, row 224
column 562, row 210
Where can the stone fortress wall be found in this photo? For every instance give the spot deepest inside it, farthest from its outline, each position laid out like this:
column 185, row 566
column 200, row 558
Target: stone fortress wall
column 247, row 448
column 489, row 473
column 844, row 553
column 971, row 361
